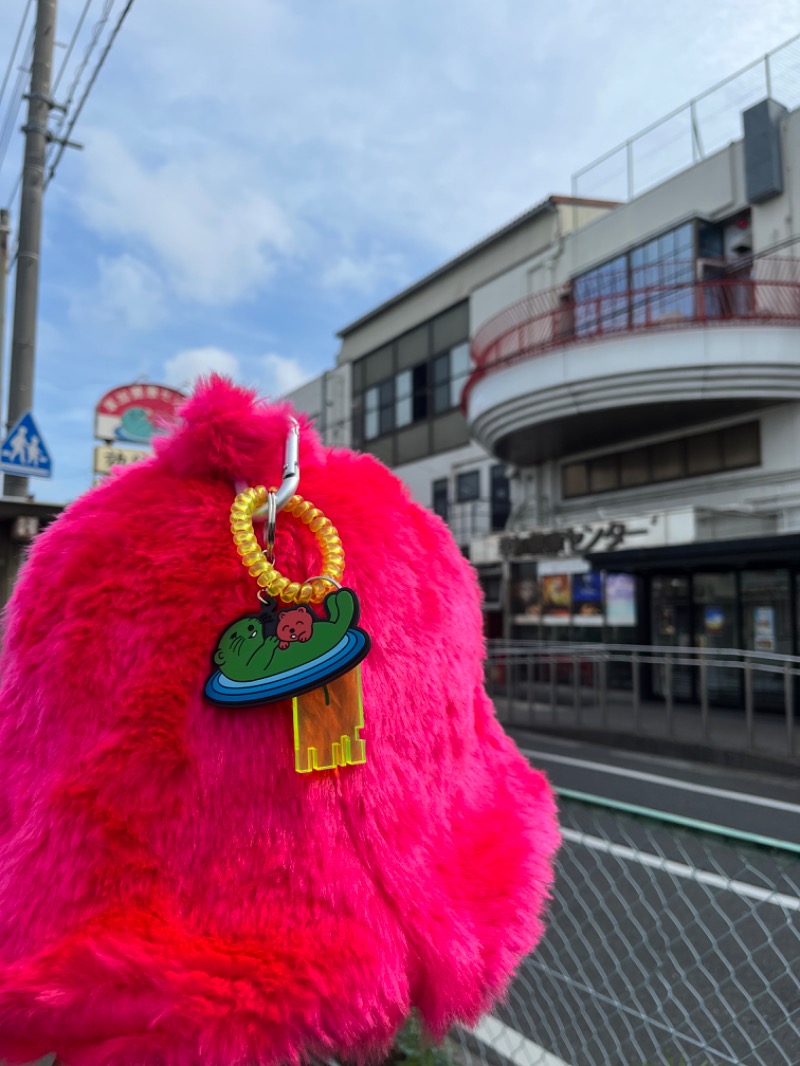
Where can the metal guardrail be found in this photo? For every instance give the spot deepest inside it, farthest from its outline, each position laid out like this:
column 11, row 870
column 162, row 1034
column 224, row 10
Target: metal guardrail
column 663, row 946
column 723, row 698
column 544, row 321
column 694, row 130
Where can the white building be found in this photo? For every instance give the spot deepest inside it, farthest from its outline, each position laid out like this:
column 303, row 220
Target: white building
column 634, row 366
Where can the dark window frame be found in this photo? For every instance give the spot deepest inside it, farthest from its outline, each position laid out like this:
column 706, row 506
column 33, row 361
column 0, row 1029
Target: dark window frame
column 440, row 506
column 466, row 478
column 752, row 428
column 431, row 401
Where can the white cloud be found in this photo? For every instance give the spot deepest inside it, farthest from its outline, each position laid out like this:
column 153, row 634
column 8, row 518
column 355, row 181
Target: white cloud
column 213, row 231
column 183, row 369
column 364, row 273
column 283, row 374
column 128, row 293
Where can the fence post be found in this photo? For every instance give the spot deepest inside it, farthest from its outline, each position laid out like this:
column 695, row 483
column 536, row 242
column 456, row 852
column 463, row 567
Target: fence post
column 668, row 680
column 636, row 682
column 748, row 704
column 530, row 690
column 788, row 703
column 704, row 697
column 553, row 699
column 509, row 668
column 576, row 694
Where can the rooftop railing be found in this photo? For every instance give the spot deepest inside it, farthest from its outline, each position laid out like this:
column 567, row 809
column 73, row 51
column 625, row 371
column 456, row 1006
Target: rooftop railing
column 701, row 293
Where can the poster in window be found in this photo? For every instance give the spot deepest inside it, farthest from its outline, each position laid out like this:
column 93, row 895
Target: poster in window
column 526, row 597
column 714, row 618
column 556, row 600
column 620, row 599
column 764, row 628
column 587, row 595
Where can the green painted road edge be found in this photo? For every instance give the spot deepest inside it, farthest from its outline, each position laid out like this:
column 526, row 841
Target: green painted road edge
column 679, row 819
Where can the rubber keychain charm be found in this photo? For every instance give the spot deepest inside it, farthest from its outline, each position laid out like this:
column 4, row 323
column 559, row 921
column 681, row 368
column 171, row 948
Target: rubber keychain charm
column 292, row 651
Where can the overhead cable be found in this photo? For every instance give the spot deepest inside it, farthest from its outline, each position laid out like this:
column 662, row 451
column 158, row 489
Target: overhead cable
column 13, row 56
column 73, row 118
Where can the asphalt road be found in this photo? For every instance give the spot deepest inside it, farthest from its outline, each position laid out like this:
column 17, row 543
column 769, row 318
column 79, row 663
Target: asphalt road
column 665, row 943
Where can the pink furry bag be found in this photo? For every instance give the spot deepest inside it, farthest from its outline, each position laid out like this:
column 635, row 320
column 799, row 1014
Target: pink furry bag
column 172, row 892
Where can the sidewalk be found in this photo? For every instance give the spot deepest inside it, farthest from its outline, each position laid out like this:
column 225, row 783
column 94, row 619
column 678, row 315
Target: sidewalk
column 653, row 729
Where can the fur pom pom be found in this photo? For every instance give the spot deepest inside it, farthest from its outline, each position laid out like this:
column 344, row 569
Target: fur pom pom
column 172, row 892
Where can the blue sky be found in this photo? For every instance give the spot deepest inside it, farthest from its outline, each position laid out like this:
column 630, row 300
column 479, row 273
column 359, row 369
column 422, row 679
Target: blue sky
column 258, row 173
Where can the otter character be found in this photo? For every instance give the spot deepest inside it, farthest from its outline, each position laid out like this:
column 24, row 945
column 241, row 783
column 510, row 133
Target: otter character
column 248, row 651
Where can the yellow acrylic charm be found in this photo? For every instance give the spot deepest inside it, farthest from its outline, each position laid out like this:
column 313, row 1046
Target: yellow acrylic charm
column 327, row 725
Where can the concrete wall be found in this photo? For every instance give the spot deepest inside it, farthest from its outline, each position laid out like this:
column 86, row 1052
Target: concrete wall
column 771, row 489
column 420, row 475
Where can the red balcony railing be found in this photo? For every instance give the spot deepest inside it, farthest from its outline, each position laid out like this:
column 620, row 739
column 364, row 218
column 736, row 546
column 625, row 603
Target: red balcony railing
column 764, row 292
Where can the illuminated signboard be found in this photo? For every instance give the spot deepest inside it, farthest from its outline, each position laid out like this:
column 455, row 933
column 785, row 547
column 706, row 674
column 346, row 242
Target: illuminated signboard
column 136, row 413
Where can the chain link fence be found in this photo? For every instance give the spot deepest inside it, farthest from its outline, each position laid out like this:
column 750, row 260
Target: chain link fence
column 693, row 131
column 665, row 945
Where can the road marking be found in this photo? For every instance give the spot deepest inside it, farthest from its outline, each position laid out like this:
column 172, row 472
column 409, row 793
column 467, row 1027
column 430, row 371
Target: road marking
column 687, row 786
column 680, row 869
column 513, row 1045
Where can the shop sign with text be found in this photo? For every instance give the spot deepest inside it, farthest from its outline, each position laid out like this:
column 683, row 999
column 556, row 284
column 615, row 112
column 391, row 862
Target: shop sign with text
column 136, row 413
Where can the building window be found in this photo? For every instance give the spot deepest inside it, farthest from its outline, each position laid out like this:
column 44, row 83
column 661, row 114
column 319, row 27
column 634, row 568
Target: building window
column 634, row 468
column 404, row 400
column 665, row 269
column 601, row 298
column 711, row 452
column 499, row 496
column 460, row 367
column 416, row 380
column 574, row 479
column 379, row 410
column 441, row 383
column 741, row 446
column 667, row 461
column 440, row 498
column 654, row 282
column 450, row 372
column 468, row 486
column 604, row 473
column 420, row 392
column 371, row 402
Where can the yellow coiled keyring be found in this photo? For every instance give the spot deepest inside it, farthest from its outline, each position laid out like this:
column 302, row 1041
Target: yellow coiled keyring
column 261, row 567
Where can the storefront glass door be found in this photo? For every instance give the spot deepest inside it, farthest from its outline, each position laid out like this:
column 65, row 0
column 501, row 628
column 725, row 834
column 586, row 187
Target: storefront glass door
column 716, row 625
column 671, row 627
column 767, row 627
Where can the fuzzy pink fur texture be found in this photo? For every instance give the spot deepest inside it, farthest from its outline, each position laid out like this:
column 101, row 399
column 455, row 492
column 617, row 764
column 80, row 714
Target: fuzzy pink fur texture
column 172, row 892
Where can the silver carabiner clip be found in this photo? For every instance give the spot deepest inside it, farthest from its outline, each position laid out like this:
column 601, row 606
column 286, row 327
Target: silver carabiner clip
column 291, row 474
column 291, row 467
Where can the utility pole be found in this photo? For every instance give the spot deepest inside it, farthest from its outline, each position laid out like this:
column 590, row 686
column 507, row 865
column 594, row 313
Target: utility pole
column 5, row 229
column 26, row 294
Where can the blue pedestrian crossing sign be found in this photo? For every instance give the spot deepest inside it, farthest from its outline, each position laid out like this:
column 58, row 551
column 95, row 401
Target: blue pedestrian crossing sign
column 24, row 452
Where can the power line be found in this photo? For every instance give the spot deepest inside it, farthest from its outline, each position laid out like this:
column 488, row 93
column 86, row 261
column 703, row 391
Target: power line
column 87, row 91
column 20, row 31
column 95, row 39
column 71, row 45
column 13, row 110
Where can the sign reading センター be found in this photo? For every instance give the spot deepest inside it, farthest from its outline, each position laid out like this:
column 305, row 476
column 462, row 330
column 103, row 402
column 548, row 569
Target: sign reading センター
column 136, row 413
